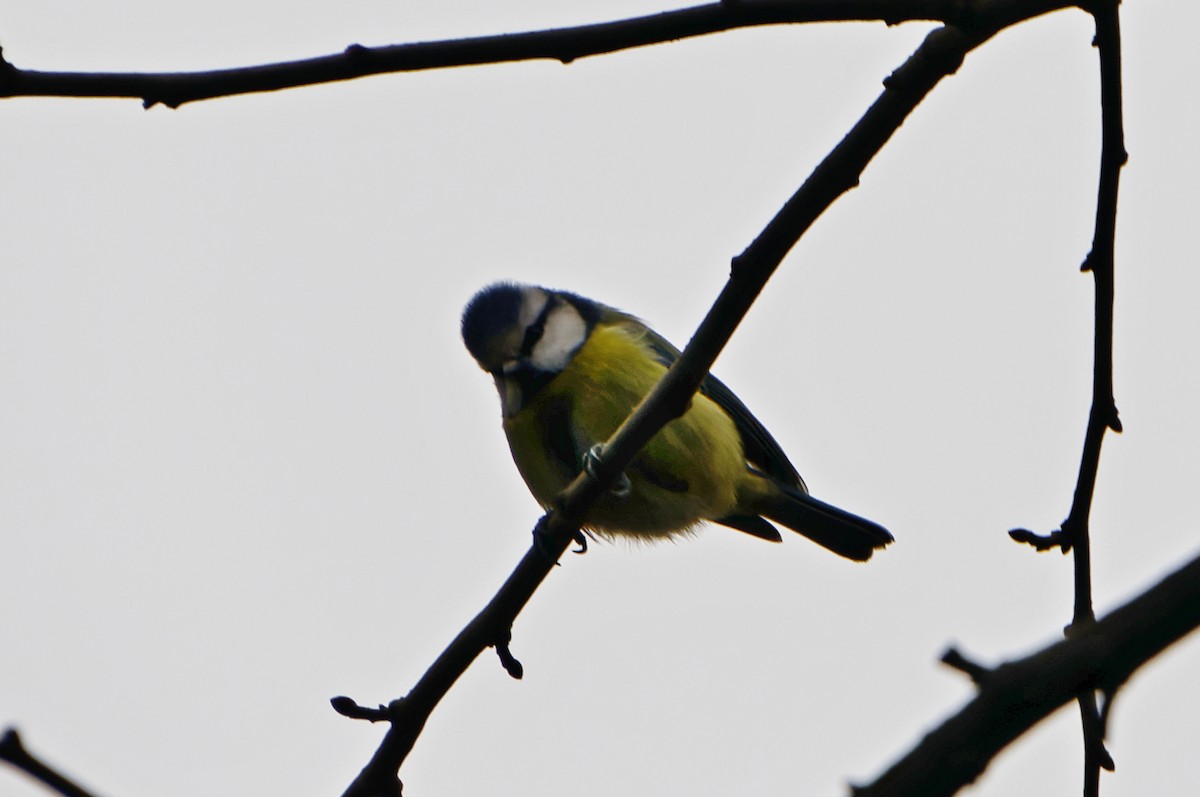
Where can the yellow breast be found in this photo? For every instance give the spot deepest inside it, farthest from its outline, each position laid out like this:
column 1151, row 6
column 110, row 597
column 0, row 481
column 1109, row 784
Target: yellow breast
column 689, row 472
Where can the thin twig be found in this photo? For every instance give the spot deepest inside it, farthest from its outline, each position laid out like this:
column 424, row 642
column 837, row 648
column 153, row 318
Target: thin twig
column 14, row 752
column 1103, row 416
column 956, row 659
column 1100, row 261
column 1075, row 534
column 565, row 45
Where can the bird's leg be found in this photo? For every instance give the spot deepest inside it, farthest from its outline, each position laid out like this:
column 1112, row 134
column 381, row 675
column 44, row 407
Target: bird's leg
column 593, row 460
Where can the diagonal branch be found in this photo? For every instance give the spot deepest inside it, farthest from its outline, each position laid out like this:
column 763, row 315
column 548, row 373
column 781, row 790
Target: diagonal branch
column 173, row 89
column 1017, row 695
column 938, row 56
column 15, row 753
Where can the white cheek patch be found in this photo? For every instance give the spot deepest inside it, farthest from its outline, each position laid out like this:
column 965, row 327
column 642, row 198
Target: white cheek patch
column 564, row 334
column 533, row 301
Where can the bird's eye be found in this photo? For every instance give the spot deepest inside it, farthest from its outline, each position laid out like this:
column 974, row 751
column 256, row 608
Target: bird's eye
column 533, row 333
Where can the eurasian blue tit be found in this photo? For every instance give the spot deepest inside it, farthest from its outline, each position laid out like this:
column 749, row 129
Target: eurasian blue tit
column 569, row 370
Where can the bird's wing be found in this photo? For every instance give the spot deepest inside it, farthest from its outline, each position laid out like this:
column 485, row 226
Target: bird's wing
column 759, row 446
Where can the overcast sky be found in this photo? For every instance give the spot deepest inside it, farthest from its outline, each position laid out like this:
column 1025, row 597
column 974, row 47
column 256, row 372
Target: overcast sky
column 246, row 464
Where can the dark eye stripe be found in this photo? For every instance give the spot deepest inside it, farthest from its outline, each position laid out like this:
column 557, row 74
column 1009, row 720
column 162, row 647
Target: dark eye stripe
column 534, row 332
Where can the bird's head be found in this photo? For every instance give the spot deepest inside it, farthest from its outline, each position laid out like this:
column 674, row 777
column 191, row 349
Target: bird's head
column 524, row 335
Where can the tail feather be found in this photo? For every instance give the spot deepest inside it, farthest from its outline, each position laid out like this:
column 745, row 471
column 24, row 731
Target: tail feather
column 753, row 525
column 840, row 531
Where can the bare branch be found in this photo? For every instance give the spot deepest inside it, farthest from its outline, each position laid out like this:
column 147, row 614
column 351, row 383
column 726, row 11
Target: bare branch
column 938, row 56
column 955, row 659
column 1095, row 657
column 13, row 751
column 565, row 45
column 1041, row 542
column 1017, row 695
column 1075, row 532
column 1101, row 262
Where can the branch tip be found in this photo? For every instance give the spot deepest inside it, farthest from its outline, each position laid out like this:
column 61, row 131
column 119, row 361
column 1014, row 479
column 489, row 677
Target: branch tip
column 10, row 744
column 1105, row 758
column 509, row 662
column 13, row 751
column 1042, row 542
column 955, row 659
column 347, row 707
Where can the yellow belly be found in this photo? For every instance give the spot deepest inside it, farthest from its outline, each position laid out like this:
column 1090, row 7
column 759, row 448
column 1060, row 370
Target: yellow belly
column 689, row 472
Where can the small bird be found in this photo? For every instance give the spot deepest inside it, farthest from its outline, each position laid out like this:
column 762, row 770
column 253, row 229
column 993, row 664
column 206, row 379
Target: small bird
column 569, row 370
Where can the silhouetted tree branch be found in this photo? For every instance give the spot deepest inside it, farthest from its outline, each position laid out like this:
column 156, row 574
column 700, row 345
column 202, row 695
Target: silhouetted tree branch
column 1098, row 657
column 15, row 753
column 173, row 89
column 1075, row 533
column 938, row 56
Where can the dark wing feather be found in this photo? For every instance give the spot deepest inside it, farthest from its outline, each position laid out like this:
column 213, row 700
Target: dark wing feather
column 760, row 447
column 560, row 440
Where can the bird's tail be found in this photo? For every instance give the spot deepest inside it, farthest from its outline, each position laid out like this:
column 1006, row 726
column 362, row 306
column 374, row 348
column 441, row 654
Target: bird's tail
column 843, row 533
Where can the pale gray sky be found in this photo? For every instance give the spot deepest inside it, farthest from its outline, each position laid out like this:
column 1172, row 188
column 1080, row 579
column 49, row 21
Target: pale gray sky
column 246, row 464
